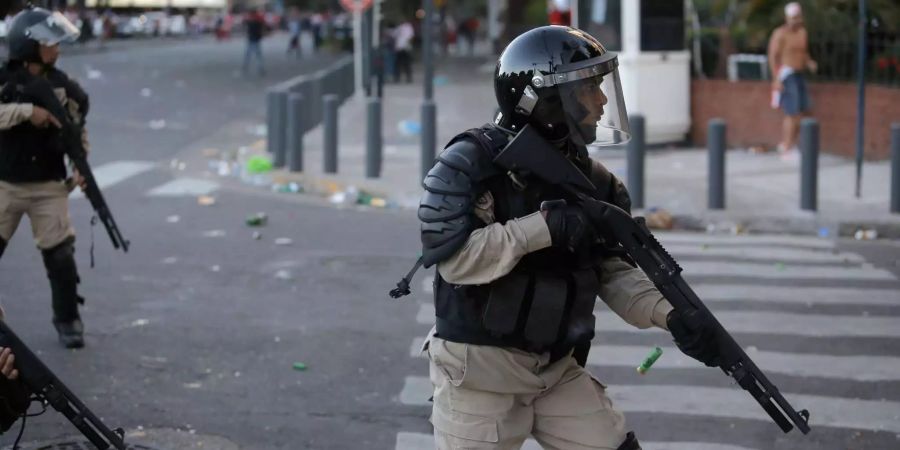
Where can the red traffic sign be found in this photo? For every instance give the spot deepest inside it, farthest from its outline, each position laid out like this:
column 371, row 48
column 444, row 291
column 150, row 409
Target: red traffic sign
column 356, row 5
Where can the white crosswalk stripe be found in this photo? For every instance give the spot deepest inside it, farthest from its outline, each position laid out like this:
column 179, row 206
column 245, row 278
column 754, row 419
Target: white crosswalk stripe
column 717, row 260
column 731, row 402
column 116, row 172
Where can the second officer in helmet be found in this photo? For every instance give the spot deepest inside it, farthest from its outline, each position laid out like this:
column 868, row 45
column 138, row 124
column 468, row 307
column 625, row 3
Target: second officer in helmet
column 33, row 174
column 518, row 271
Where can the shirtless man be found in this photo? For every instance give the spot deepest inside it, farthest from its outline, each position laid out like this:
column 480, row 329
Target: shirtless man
column 788, row 58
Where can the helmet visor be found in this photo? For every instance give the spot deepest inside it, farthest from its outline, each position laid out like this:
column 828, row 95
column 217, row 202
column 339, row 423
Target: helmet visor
column 595, row 110
column 54, row 29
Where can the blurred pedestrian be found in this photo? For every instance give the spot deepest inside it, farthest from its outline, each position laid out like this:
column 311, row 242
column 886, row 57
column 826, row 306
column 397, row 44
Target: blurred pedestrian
column 403, row 37
column 256, row 30
column 294, row 28
column 788, row 58
column 388, row 52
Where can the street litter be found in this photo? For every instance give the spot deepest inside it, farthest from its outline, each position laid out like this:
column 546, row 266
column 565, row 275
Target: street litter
column 259, row 164
column 291, row 187
column 93, row 74
column 206, row 200
column 173, row 219
column 649, row 360
column 214, row 233
column 257, row 220
column 299, row 366
column 157, row 124
column 170, row 260
column 409, row 127
column 659, row 219
column 284, row 241
column 215, row 268
column 140, row 323
column 283, row 274
column 146, row 93
column 194, row 385
column 866, row 235
column 257, row 235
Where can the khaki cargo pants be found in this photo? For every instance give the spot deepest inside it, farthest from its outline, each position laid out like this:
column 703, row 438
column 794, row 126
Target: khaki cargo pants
column 46, row 204
column 494, row 398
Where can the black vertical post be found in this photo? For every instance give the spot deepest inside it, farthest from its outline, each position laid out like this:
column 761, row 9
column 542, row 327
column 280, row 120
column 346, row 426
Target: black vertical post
column 635, row 161
column 373, row 138
column 860, row 94
column 895, row 167
column 809, row 164
column 429, row 109
column 295, row 130
column 330, row 105
column 716, row 144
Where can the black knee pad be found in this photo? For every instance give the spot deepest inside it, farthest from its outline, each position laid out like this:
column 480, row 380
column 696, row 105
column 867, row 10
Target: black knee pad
column 60, row 261
column 630, row 443
column 2, row 246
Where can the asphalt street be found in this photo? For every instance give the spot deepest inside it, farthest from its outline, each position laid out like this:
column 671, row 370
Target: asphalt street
column 193, row 337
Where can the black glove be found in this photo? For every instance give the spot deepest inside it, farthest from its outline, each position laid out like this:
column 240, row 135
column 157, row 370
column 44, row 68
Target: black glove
column 569, row 226
column 695, row 335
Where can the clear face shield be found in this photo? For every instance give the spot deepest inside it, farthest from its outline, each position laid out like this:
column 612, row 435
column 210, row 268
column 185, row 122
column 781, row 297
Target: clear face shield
column 54, row 29
column 593, row 105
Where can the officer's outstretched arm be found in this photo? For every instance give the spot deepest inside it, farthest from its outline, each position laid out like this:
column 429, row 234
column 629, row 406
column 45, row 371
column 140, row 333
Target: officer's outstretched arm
column 631, row 295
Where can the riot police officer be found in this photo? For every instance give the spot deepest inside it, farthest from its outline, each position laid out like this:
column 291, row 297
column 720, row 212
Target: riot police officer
column 33, row 178
column 518, row 271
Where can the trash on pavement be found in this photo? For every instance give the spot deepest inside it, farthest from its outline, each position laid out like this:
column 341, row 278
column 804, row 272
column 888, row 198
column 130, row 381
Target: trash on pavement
column 257, row 220
column 206, row 200
column 284, row 241
column 659, row 219
column 649, row 360
column 173, row 218
column 291, row 187
column 158, row 124
column 259, row 164
column 299, row 366
column 257, row 235
column 865, row 235
column 215, row 268
column 146, row 93
column 284, row 274
column 409, row 127
column 170, row 260
column 93, row 74
column 140, row 323
column 214, row 233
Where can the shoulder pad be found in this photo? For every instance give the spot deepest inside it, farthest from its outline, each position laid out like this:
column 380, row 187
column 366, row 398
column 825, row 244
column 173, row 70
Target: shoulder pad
column 446, row 209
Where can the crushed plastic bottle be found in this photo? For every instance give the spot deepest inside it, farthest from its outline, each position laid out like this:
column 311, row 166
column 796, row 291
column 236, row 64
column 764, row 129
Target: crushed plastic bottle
column 257, row 220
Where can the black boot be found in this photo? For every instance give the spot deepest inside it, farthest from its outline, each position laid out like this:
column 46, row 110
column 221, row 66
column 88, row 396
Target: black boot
column 71, row 334
column 630, row 443
column 63, row 275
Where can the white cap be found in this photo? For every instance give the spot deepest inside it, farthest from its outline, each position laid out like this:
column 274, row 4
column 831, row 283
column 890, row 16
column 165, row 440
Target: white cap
column 792, row 9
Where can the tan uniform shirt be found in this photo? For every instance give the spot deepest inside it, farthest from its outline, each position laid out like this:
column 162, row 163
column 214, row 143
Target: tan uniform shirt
column 12, row 114
column 493, row 251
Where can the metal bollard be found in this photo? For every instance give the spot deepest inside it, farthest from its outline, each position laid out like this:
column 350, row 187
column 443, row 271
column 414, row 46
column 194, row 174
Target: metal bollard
column 895, row 167
column 635, row 161
column 715, row 144
column 295, row 131
column 429, row 137
column 276, row 132
column 373, row 138
column 330, row 106
column 809, row 163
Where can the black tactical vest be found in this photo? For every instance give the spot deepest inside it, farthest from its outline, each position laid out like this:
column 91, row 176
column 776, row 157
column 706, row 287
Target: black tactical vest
column 545, row 304
column 28, row 153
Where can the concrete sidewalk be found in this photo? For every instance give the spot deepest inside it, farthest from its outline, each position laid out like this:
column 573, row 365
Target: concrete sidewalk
column 762, row 193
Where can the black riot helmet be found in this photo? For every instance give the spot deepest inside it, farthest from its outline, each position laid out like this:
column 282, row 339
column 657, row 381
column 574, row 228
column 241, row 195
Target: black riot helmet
column 564, row 83
column 34, row 27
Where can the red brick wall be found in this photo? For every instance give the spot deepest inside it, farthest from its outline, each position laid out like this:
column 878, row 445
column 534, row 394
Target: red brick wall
column 751, row 121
